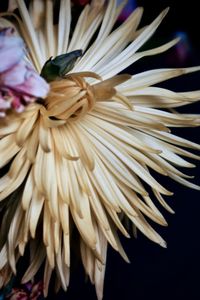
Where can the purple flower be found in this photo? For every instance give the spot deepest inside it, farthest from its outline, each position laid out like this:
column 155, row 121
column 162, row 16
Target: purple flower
column 28, row 291
column 20, row 84
column 19, row 294
column 24, row 79
column 11, row 49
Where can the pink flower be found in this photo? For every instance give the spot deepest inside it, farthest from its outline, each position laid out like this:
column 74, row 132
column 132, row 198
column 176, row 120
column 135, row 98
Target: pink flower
column 29, row 291
column 11, row 49
column 22, row 78
column 20, row 84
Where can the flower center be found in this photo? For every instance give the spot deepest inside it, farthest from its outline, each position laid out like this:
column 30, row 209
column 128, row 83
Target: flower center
column 70, row 98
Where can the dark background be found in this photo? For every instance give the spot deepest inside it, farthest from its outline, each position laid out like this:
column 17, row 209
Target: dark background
column 156, row 273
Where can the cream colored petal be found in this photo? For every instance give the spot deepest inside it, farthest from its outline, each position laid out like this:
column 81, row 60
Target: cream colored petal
column 90, row 28
column 51, row 45
column 162, row 202
column 152, row 77
column 83, row 146
column 99, row 271
column 7, row 127
column 16, row 182
column 35, row 264
column 132, row 48
column 64, row 216
column 8, row 153
column 28, row 191
column 12, row 5
column 36, row 207
column 161, row 98
column 110, row 46
column 167, row 151
column 25, row 129
column 119, row 245
column 119, row 39
column 88, row 260
column 171, row 138
column 184, row 181
column 3, row 256
column 84, row 224
column 60, row 136
column 137, row 168
column 50, row 184
column 30, row 29
column 47, row 277
column 37, row 13
column 13, row 235
column 44, row 136
column 50, row 248
column 32, row 144
column 64, row 23
column 79, row 29
column 117, row 168
column 122, row 116
column 66, row 249
column 108, row 20
column 62, row 269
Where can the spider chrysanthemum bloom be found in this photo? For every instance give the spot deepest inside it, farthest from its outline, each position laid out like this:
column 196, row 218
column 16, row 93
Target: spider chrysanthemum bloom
column 82, row 158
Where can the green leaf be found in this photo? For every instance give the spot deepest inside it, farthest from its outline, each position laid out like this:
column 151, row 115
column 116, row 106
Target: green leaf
column 58, row 67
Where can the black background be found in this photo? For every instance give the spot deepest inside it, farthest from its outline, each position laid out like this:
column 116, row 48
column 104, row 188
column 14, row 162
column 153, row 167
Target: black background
column 156, row 273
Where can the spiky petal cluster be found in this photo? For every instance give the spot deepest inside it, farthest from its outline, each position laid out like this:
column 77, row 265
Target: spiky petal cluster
column 83, row 159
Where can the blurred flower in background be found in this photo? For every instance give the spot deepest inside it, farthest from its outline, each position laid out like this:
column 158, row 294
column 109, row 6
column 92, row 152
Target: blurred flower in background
column 183, row 48
column 183, row 51
column 128, row 9
column 29, row 291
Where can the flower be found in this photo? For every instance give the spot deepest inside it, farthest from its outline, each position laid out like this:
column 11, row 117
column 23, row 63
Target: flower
column 27, row 291
column 11, row 48
column 83, row 158
column 19, row 82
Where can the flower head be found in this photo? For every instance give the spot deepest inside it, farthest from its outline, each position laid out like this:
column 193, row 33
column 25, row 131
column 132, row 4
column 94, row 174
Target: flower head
column 81, row 157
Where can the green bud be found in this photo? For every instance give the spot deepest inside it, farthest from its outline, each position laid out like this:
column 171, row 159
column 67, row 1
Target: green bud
column 59, row 66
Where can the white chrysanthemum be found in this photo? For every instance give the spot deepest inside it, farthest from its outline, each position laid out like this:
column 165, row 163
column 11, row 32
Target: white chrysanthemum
column 80, row 158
